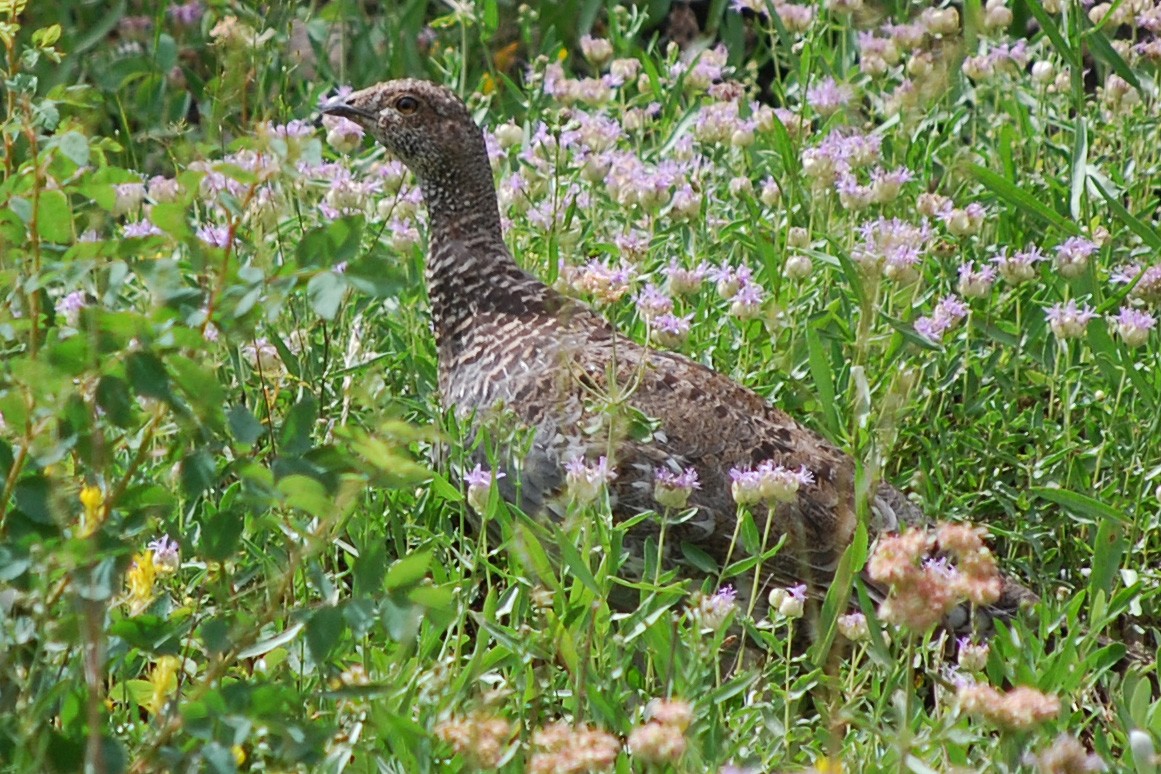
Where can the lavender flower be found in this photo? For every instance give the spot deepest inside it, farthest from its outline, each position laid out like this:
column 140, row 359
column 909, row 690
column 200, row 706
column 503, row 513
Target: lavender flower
column 1072, row 256
column 480, row 483
column 949, row 311
column 1133, row 325
column 652, row 302
column 683, row 281
column 893, row 247
column 779, row 484
column 1068, row 321
column 166, row 558
column 1148, row 287
column 672, row 490
column 746, row 486
column 828, row 97
column 789, row 602
column 186, row 14
column 671, row 330
column 343, row 134
column 971, row 656
column 214, row 236
column 70, row 307
column 127, row 197
column 586, row 481
column 713, row 611
column 747, row 303
column 976, row 283
column 1019, row 267
column 142, row 228
column 854, row 627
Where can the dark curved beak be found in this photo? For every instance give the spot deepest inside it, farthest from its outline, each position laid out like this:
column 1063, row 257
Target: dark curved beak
column 346, row 110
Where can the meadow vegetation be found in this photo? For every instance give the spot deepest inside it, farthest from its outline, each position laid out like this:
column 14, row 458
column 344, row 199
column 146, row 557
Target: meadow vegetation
column 233, row 533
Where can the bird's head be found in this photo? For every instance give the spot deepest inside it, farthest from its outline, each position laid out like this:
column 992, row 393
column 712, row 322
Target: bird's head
column 425, row 125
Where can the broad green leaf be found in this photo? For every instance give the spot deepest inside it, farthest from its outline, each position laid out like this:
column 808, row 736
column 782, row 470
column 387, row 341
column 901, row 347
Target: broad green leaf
column 408, row 571
column 54, row 217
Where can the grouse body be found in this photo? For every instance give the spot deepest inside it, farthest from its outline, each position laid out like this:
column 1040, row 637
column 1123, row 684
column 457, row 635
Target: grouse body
column 507, row 340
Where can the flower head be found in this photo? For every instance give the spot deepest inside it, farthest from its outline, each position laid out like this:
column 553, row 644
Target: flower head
column 1072, row 255
column 1068, row 321
column 585, row 481
column 562, row 748
column 481, row 739
column 1020, row 709
column 141, row 579
column 1019, row 267
column 713, row 610
column 480, row 484
column 854, row 627
column 70, row 307
column 166, row 555
column 672, row 490
column 163, row 682
column 949, row 311
column 92, row 501
column 1133, row 325
column 975, row 283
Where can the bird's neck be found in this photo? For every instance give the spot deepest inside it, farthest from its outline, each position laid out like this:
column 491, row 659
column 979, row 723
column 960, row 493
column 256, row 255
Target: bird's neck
column 469, row 268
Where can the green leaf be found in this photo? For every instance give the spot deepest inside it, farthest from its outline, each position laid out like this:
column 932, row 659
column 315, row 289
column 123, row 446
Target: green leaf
column 150, row 633
column 325, row 291
column 332, row 244
column 295, row 436
column 114, row 399
column 1080, row 505
column 75, row 147
column 306, row 494
column 1138, row 226
column 13, row 563
column 323, row 631
column 262, row 647
column 198, row 473
column 1022, row 200
column 370, row 569
column 97, row 582
column 1101, row 49
column 54, row 217
column 409, row 570
column 33, row 496
column 699, row 558
column 1079, row 168
column 171, row 218
column 1108, row 549
column 576, row 563
column 147, row 376
column 219, row 535
column 243, row 426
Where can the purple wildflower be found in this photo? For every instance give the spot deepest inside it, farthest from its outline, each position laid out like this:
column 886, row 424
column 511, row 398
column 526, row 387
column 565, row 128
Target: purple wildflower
column 586, row 481
column 165, row 555
column 1068, row 321
column 1072, row 255
column 1133, row 325
column 70, row 307
column 672, row 490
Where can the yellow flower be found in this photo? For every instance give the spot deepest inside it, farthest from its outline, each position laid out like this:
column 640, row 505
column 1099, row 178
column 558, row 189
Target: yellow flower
column 487, row 83
column 93, row 502
column 163, row 679
column 239, row 754
column 141, row 578
column 829, row 766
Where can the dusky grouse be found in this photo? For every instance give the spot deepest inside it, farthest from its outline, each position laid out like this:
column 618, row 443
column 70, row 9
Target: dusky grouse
column 507, row 339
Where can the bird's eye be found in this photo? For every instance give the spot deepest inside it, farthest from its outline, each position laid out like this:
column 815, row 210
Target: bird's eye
column 407, row 104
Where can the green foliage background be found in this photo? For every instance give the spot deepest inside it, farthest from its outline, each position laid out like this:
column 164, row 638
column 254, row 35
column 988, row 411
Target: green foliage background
column 277, row 417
